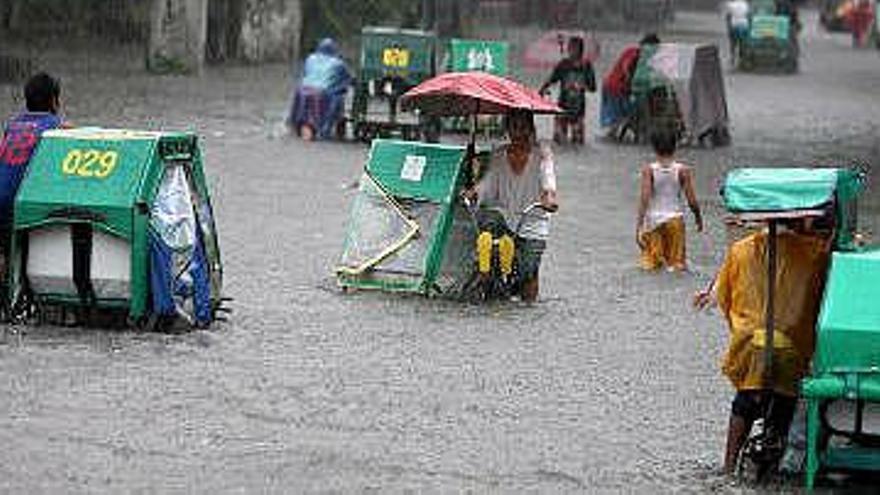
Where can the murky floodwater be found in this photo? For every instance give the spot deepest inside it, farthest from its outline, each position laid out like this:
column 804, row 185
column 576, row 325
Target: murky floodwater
column 610, row 383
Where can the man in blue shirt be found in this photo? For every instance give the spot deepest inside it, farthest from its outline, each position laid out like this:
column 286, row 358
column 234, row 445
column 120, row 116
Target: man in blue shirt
column 20, row 137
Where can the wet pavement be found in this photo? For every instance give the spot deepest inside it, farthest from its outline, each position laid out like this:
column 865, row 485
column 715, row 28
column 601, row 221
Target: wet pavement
column 610, row 383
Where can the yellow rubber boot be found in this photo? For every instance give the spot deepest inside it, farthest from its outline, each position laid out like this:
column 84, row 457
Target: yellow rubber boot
column 484, row 252
column 505, row 254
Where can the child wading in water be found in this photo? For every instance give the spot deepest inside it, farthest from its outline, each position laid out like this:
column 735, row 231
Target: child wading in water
column 660, row 231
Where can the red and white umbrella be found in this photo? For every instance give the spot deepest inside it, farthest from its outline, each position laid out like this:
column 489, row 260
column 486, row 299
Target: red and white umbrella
column 473, row 93
column 544, row 53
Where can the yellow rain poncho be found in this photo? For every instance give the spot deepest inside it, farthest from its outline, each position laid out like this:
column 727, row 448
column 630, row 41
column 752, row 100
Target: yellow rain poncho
column 741, row 292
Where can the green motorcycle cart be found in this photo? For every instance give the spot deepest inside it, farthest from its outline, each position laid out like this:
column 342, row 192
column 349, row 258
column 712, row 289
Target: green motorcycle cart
column 392, row 61
column 771, row 44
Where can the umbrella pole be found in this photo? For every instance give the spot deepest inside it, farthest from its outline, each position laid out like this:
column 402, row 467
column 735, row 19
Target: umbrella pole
column 472, row 144
column 769, row 318
column 471, row 154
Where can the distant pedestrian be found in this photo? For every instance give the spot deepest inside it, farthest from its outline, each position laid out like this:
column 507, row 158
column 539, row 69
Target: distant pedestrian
column 617, row 104
column 319, row 100
column 736, row 15
column 660, row 228
column 576, row 77
column 861, row 18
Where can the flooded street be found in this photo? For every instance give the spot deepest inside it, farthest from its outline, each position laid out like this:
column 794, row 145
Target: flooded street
column 610, row 383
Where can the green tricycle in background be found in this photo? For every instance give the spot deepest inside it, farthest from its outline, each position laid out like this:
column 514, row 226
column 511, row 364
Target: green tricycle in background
column 116, row 224
column 477, row 55
column 392, row 61
column 771, row 44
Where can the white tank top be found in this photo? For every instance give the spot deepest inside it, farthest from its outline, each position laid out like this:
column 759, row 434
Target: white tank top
column 666, row 203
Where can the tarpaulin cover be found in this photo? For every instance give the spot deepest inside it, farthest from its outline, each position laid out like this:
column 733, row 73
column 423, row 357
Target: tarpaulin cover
column 768, row 190
column 694, row 74
column 849, row 323
column 786, row 189
column 178, row 271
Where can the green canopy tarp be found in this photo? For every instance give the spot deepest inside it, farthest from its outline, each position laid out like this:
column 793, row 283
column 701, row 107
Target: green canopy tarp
column 793, row 190
column 787, row 189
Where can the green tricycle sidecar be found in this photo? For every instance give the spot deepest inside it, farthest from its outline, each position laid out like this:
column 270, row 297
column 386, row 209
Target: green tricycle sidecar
column 392, row 61
column 115, row 222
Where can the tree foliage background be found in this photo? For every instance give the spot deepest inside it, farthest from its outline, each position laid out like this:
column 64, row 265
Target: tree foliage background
column 122, row 20
column 343, row 19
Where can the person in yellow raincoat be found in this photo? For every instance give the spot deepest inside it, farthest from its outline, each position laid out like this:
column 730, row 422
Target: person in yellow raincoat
column 740, row 290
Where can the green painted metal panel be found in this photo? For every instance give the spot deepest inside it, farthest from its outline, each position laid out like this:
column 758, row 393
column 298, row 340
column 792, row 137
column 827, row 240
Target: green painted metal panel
column 416, row 170
column 92, row 174
column 478, row 55
column 419, row 181
column 848, row 336
column 770, row 26
column 852, row 458
column 399, row 53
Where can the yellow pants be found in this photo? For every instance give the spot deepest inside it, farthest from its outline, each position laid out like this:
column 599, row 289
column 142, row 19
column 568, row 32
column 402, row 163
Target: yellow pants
column 664, row 246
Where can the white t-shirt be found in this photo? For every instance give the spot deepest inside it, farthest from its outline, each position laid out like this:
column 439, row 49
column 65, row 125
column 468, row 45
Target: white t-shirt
column 738, row 10
column 512, row 193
